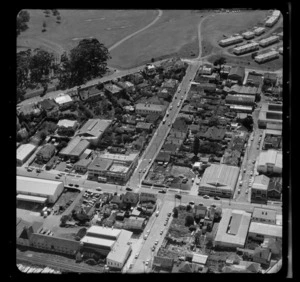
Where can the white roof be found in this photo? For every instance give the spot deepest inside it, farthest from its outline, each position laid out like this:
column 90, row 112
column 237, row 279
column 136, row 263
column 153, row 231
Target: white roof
column 36, row 185
column 24, row 150
column 98, row 241
column 270, row 157
column 246, row 46
column 198, row 258
column 31, row 198
column 119, row 253
column 154, row 107
column 120, row 157
column 259, row 29
column 266, row 229
column 278, row 219
column 248, row 33
column 261, row 182
column 269, row 54
column 239, row 223
column 100, row 230
column 233, row 38
column 67, row 123
column 264, row 214
column 271, row 38
column 62, row 99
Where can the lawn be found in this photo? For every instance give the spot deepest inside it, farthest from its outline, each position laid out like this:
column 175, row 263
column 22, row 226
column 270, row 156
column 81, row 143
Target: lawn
column 108, row 26
column 213, row 28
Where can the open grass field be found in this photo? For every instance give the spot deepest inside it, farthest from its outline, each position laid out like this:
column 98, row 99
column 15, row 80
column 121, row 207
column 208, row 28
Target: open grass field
column 108, row 26
column 174, row 33
column 214, row 27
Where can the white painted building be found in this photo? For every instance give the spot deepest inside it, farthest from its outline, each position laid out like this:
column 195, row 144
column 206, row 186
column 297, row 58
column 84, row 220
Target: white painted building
column 269, row 40
column 24, row 152
column 258, row 31
column 230, row 41
column 248, row 34
column 266, row 56
column 246, row 48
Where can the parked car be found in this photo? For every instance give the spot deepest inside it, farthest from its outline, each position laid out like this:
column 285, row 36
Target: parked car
column 192, row 203
column 29, row 169
column 144, row 170
column 161, row 232
column 217, row 198
column 153, row 249
column 136, row 256
column 98, row 189
column 76, row 185
column 206, row 197
column 128, row 189
column 147, row 261
column 162, row 191
column 38, row 170
column 57, row 177
column 71, row 184
column 156, row 242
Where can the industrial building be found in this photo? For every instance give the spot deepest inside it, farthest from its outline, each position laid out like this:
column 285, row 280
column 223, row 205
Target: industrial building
column 266, row 56
column 241, row 109
column 270, row 162
column 230, row 41
column 248, row 34
column 219, row 180
column 268, row 41
column 261, row 231
column 38, row 190
column 233, row 229
column 253, row 46
column 74, row 149
column 93, row 129
column 259, row 31
column 270, row 114
column 273, row 19
column 45, row 153
column 110, row 242
column 24, row 152
column 254, row 79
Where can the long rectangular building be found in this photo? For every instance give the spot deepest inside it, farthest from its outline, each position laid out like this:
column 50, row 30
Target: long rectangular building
column 273, row 19
column 260, row 231
column 248, row 34
column 269, row 40
column 233, row 229
column 230, row 41
column 246, row 48
column 39, row 187
column 259, row 31
column 266, row 56
column 24, row 152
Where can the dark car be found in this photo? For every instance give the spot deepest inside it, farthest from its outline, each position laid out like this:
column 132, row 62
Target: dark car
column 71, row 184
column 178, row 196
column 99, row 189
column 128, row 189
column 217, row 198
column 76, row 185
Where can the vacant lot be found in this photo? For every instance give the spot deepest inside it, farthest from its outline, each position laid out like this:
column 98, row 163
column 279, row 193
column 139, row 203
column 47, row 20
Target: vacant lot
column 108, row 26
column 174, row 33
column 214, row 27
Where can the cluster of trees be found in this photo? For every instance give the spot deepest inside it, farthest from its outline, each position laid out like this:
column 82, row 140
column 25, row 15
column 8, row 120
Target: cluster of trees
column 84, row 62
column 248, row 122
column 209, row 148
column 22, row 20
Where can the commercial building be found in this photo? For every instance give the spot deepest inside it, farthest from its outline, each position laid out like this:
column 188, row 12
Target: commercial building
column 233, row 229
column 45, row 153
column 270, row 114
column 259, row 189
column 246, row 48
column 24, row 152
column 245, row 90
column 39, row 190
column 219, row 180
column 237, row 73
column 261, row 231
column 270, row 78
column 230, row 41
column 248, row 34
column 63, row 100
column 75, row 148
column 270, row 162
column 145, row 109
column 272, row 139
column 259, row 31
column 93, row 129
column 264, row 216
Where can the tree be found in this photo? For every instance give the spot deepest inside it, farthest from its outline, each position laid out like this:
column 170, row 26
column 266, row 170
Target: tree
column 248, row 122
column 189, row 220
column 63, row 220
column 188, row 208
column 22, row 20
column 84, row 62
column 196, row 146
column 175, row 212
column 23, row 77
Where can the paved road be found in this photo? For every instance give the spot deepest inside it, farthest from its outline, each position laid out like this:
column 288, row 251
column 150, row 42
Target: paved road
column 160, row 12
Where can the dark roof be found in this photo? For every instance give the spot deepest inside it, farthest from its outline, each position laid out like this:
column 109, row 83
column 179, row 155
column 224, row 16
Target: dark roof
column 100, row 164
column 163, row 157
column 271, row 76
column 46, row 151
column 164, row 262
column 131, row 197
column 180, row 124
column 134, row 223
column 83, row 162
column 153, row 117
column 237, row 70
column 144, row 125
column 261, row 253
column 255, row 78
column 275, row 184
column 215, row 133
column 48, row 104
column 169, row 147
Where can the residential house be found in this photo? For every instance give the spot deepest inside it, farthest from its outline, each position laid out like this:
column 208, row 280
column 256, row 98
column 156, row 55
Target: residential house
column 112, row 89
column 49, row 105
column 91, row 94
column 187, row 267
column 264, row 215
column 131, row 198
column 180, row 125
column 23, row 133
column 225, row 70
column 163, row 157
column 262, row 256
column 162, row 263
column 64, row 101
column 259, row 189
column 134, row 224
column 275, row 188
column 164, row 93
column 188, row 109
column 148, row 197
column 146, row 109
column 144, row 126
column 170, row 83
column 170, row 148
column 207, row 87
column 65, row 123
column 200, row 212
column 215, row 134
column 270, row 78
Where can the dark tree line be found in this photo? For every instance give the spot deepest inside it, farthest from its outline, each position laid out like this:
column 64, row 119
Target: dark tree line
column 22, row 20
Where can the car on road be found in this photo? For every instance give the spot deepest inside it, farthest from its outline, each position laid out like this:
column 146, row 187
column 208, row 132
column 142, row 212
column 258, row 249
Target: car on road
column 148, row 231
column 169, row 124
column 29, row 169
column 257, row 148
column 144, row 170
column 38, row 170
column 163, row 191
column 244, row 170
column 171, row 107
column 217, row 198
column 251, row 173
column 247, row 191
column 150, row 160
column 57, row 177
column 178, row 104
column 98, row 189
column 169, row 214
column 76, row 185
column 157, row 213
column 128, row 189
column 175, row 97
column 136, row 256
column 145, row 236
column 165, row 224
column 60, row 174
column 213, row 205
column 156, row 242
column 147, row 261
column 206, row 197
column 70, row 184
column 161, row 232
column 253, row 161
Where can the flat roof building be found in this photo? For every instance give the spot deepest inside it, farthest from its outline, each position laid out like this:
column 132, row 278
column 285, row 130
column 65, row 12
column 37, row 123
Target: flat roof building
column 63, row 100
column 270, row 162
column 264, row 216
column 258, row 31
column 145, row 109
column 246, row 48
column 219, row 180
column 233, row 229
column 24, row 152
column 270, row 114
column 259, row 189
column 248, row 34
column 39, row 187
column 266, row 56
column 230, row 40
column 75, row 148
column 261, row 231
column 67, row 123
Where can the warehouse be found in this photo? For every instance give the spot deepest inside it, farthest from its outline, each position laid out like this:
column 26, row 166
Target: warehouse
column 268, row 41
column 24, row 152
column 233, row 229
column 261, row 231
column 40, row 190
column 258, row 31
column 219, row 180
column 266, row 56
column 270, row 162
column 75, row 148
column 248, row 34
column 241, row 109
column 246, row 48
column 230, row 41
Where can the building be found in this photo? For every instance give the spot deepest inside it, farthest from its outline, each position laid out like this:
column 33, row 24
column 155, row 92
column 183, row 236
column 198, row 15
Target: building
column 63, row 101
column 134, row 224
column 254, row 79
column 131, row 198
column 90, row 94
column 141, row 126
column 82, row 165
column 49, row 105
column 225, row 70
column 66, row 123
column 241, row 100
column 230, row 40
column 148, row 197
column 266, row 56
column 24, row 152
column 253, row 46
column 112, row 89
column 215, row 134
column 199, row 259
column 248, row 35
column 207, row 70
column 241, row 109
column 74, row 149
column 38, row 190
column 145, row 109
column 259, row 189
column 259, row 231
column 219, row 180
column 270, row 114
column 272, row 139
column 162, row 263
column 275, row 189
column 259, row 31
column 262, row 256
column 264, row 216
column 273, row 19
column 237, row 73
column 45, row 153
column 270, row 162
column 233, row 229
column 245, row 90
column 280, row 50
column 93, row 129
column 270, row 78
column 24, row 230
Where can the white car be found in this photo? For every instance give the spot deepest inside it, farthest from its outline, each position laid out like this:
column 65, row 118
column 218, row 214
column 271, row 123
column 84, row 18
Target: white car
column 206, row 197
column 147, row 261
column 156, row 242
